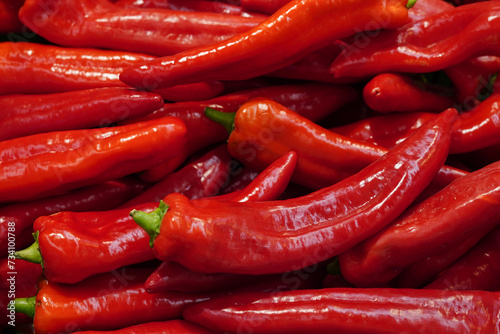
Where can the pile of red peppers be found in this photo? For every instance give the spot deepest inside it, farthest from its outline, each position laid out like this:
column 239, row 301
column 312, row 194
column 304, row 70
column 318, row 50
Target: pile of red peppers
column 249, row 166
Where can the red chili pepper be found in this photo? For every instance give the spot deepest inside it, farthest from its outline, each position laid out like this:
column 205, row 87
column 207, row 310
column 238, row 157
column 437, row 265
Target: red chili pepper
column 270, row 237
column 265, row 130
column 266, row 48
column 47, row 164
column 104, row 302
column 478, row 269
column 347, row 310
column 264, row 6
column 396, row 92
column 177, row 326
column 102, row 196
column 9, row 20
column 197, row 91
column 24, row 115
column 155, row 31
column 18, row 279
column 203, row 177
column 439, row 224
column 442, row 40
column 425, row 8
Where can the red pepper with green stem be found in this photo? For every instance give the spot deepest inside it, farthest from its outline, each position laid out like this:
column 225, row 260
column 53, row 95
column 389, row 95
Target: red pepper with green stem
column 48, row 164
column 468, row 206
column 437, row 42
column 102, row 196
column 264, row 130
column 267, row 48
column 154, row 31
column 24, row 115
column 349, row 311
column 270, row 237
column 478, row 269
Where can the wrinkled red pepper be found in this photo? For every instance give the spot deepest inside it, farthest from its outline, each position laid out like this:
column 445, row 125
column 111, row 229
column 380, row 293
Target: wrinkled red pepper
column 266, row 48
column 439, row 224
column 102, row 196
column 24, row 115
column 48, row 164
column 348, row 310
column 269, row 237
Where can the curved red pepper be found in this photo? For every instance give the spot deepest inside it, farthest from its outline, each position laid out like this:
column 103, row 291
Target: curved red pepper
column 266, row 48
column 24, row 115
column 47, row 164
column 347, row 310
column 478, row 269
column 177, row 326
column 103, row 196
column 435, row 226
column 269, row 237
column 434, row 43
column 395, row 92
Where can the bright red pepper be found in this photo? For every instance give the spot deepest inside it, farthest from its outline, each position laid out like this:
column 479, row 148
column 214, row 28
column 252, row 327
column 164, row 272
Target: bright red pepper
column 439, row 224
column 478, row 269
column 437, row 42
column 269, row 237
column 155, row 31
column 396, row 92
column 348, row 310
column 24, row 115
column 102, row 196
column 266, row 48
column 177, row 326
column 48, row 164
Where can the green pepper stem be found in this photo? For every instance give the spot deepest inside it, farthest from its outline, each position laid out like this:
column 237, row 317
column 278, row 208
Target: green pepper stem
column 226, row 119
column 32, row 253
column 26, row 306
column 151, row 221
column 410, row 3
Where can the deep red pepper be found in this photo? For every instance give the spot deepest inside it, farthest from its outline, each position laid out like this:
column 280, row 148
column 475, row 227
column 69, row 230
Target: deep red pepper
column 102, row 196
column 47, row 164
column 101, row 24
column 269, row 237
column 396, row 92
column 103, row 302
column 265, row 130
column 24, row 115
column 478, row 269
column 348, row 310
column 439, row 224
column 264, row 6
column 177, row 326
column 437, row 42
column 425, row 8
column 266, row 48
column 9, row 20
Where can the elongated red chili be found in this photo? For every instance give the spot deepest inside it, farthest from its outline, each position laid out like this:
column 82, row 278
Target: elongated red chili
column 155, row 31
column 264, row 130
column 177, row 326
column 269, row 237
column 47, row 164
column 348, row 310
column 18, row 218
column 478, row 269
column 396, row 92
column 437, row 42
column 266, row 47
column 24, row 115
column 435, row 226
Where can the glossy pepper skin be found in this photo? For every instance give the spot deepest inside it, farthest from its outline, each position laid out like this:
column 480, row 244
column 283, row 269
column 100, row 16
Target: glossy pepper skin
column 61, row 161
column 270, row 237
column 266, row 47
column 264, row 130
column 434, row 43
column 106, row 195
column 154, row 31
column 104, row 302
column 24, row 115
column 177, row 326
column 478, row 269
column 435, row 226
column 396, row 92
column 349, row 311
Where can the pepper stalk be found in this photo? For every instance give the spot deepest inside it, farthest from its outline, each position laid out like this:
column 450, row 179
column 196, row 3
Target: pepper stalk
column 151, row 221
